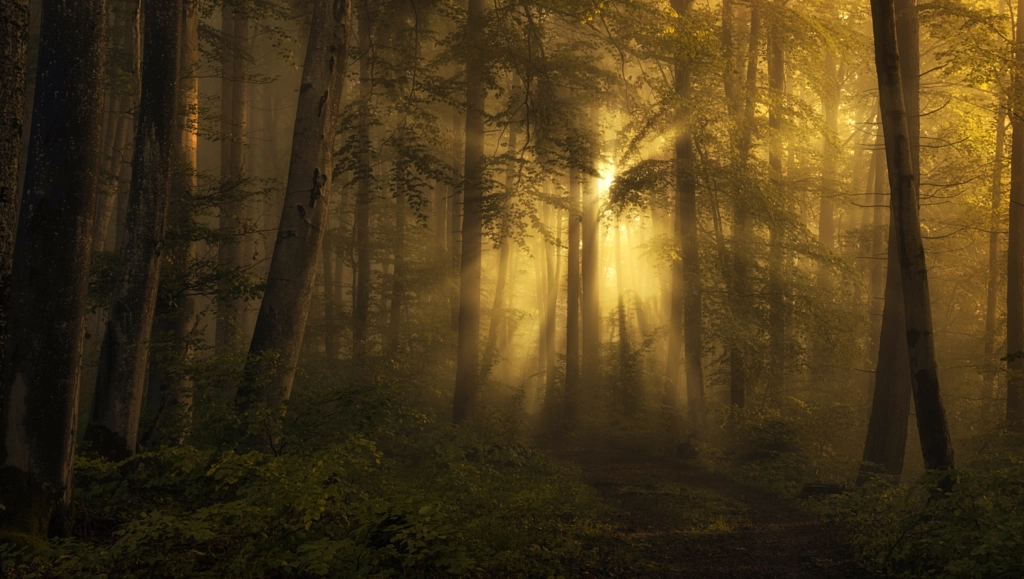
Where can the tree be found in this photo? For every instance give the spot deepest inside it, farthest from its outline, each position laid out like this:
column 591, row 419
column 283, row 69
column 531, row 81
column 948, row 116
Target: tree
column 361, row 312
column 117, row 405
column 686, row 281
column 234, row 107
column 50, row 273
column 933, row 430
column 13, row 54
column 468, row 358
column 1015, row 250
column 285, row 308
column 169, row 390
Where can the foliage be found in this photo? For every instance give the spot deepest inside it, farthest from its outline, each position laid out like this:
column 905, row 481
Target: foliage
column 330, row 503
column 917, row 531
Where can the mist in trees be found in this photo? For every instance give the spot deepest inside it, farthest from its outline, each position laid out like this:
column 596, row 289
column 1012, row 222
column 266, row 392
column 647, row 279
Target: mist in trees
column 351, row 288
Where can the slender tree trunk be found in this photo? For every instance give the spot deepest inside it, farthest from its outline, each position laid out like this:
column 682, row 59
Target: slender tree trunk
column 992, row 295
column 50, row 272
column 361, row 312
column 498, row 310
column 14, row 16
column 468, row 360
column 933, row 429
column 455, row 204
column 121, row 378
column 285, row 308
column 685, row 308
column 231, row 310
column 777, row 297
column 398, row 277
column 829, row 157
column 590, row 304
column 328, row 262
column 742, row 219
column 877, row 250
column 169, row 386
column 1015, row 256
column 572, row 320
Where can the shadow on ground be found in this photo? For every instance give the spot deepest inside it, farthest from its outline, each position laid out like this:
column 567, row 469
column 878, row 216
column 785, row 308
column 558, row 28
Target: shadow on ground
column 671, row 520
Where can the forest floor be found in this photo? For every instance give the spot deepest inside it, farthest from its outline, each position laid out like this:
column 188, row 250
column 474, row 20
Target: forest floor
column 669, row 519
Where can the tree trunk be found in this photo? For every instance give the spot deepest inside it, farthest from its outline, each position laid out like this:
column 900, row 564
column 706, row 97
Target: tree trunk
column 878, row 256
column 169, row 386
column 14, row 18
column 590, row 304
column 467, row 371
column 992, row 295
column 498, row 310
column 120, row 380
column 455, row 203
column 361, row 311
column 1015, row 258
column 777, row 291
column 50, row 272
column 570, row 401
column 285, row 308
column 933, row 430
column 398, row 277
column 742, row 219
column 231, row 310
column 829, row 156
column 328, row 262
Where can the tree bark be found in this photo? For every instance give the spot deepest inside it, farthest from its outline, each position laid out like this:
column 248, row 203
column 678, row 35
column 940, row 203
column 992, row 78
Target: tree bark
column 50, row 272
column 169, row 387
column 933, row 429
column 570, row 401
column 777, row 296
column 117, row 404
column 498, row 313
column 742, row 218
column 992, row 295
column 231, row 309
column 14, row 16
column 468, row 359
column 398, row 277
column 1015, row 256
column 361, row 310
column 285, row 308
column 590, row 304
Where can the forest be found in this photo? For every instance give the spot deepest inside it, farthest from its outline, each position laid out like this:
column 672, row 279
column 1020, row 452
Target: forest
column 512, row 288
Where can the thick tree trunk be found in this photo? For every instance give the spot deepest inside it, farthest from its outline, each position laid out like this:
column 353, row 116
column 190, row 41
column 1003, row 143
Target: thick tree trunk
column 933, row 429
column 120, row 381
column 50, row 272
column 992, row 295
column 231, row 310
column 285, row 308
column 742, row 218
column 1015, row 258
column 570, row 400
column 361, row 310
column 468, row 359
column 13, row 59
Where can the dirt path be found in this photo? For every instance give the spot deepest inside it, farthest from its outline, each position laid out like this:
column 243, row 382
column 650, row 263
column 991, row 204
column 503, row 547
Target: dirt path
column 668, row 520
